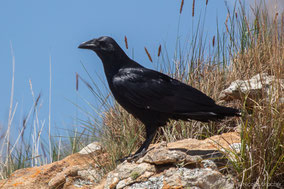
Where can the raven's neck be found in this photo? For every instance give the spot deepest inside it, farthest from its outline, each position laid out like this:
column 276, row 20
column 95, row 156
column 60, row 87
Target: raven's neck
column 112, row 62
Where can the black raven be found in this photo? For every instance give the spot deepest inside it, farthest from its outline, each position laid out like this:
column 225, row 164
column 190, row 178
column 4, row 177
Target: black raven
column 151, row 96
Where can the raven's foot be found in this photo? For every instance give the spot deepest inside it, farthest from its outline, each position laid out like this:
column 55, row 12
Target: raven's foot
column 133, row 157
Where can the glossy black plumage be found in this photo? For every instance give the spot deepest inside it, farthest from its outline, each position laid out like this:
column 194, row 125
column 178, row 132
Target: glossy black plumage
column 151, row 96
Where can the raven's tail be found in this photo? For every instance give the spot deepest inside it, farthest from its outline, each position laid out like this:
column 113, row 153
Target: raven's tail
column 215, row 113
column 226, row 111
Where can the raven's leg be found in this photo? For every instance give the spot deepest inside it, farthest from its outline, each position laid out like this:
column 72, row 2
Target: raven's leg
column 146, row 143
column 150, row 133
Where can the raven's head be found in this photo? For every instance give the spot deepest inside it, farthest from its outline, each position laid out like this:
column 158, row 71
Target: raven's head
column 100, row 45
column 108, row 51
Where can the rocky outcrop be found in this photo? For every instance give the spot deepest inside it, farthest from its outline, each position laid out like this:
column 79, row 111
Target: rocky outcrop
column 260, row 86
column 145, row 175
column 79, row 170
column 186, row 163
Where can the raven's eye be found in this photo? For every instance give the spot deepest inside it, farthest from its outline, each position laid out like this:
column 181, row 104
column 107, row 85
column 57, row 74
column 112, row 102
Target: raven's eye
column 106, row 46
column 103, row 44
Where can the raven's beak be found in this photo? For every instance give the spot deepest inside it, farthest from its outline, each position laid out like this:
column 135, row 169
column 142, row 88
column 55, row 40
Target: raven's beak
column 92, row 44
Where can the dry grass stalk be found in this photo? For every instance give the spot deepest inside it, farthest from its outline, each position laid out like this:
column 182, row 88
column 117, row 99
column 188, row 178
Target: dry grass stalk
column 193, row 7
column 181, row 6
column 126, row 43
column 148, row 54
column 159, row 50
column 77, row 81
column 226, row 22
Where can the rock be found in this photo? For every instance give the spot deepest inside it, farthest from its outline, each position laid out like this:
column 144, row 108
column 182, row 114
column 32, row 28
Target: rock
column 188, row 163
column 74, row 171
column 60, row 177
column 216, row 142
column 209, row 164
column 128, row 173
column 180, row 164
column 175, row 177
column 258, row 87
column 163, row 156
column 93, row 148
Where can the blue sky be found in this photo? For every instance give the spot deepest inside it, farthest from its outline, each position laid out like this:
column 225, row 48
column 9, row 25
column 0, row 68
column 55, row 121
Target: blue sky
column 39, row 30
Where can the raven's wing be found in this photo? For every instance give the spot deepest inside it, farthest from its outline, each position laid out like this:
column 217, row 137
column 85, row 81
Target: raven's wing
column 153, row 90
